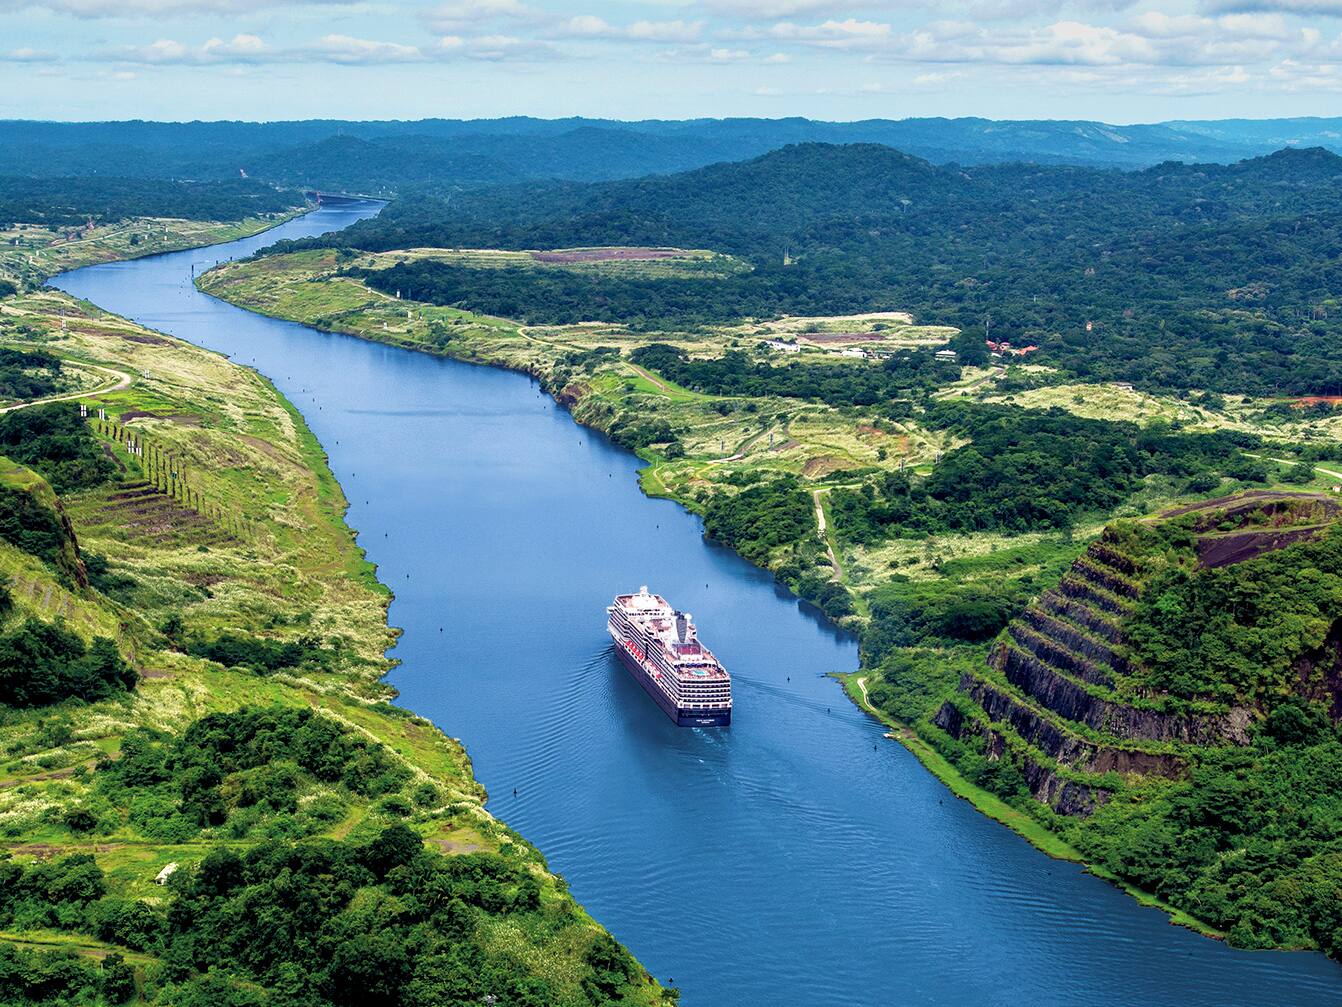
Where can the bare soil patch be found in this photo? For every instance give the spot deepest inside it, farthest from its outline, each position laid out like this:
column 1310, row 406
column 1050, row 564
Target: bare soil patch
column 1237, row 547
column 823, row 465
column 841, row 337
column 608, row 255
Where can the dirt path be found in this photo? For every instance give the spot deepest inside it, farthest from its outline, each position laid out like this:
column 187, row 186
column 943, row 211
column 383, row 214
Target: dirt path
column 122, row 381
column 950, row 392
column 641, row 372
column 824, row 535
column 1287, row 461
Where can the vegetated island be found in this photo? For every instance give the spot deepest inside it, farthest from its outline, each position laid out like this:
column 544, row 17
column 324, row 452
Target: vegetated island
column 206, row 795
column 936, row 492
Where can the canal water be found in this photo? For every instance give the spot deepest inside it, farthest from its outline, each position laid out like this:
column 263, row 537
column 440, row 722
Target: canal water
column 796, row 858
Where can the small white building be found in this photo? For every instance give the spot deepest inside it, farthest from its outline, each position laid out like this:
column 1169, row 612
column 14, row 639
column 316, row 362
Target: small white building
column 947, row 355
column 782, row 347
column 853, row 351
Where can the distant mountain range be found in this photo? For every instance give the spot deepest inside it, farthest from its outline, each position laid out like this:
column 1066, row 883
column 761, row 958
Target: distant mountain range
column 392, row 156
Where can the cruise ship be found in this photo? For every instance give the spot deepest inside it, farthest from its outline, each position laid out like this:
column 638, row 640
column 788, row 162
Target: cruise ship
column 662, row 651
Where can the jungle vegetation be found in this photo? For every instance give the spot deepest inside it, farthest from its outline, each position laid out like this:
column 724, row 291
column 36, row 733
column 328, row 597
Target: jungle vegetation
column 73, row 202
column 1177, row 276
column 1029, row 470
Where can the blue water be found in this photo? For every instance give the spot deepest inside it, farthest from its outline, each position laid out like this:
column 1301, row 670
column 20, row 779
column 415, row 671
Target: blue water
column 797, row 858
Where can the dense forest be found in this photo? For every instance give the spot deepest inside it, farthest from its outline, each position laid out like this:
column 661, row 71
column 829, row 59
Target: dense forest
column 1188, row 276
column 446, row 153
column 378, row 920
column 72, row 202
column 840, row 384
column 28, row 375
column 1032, row 470
column 53, row 441
column 565, row 297
column 44, row 663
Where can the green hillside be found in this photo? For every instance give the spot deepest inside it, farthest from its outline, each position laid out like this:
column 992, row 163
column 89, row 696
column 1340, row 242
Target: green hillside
column 1171, row 708
column 206, row 796
column 1212, row 277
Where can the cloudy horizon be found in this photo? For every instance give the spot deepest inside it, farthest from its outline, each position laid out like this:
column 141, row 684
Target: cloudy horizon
column 1110, row 60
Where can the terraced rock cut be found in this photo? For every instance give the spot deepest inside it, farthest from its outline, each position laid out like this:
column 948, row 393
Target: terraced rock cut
column 146, row 513
column 1063, row 695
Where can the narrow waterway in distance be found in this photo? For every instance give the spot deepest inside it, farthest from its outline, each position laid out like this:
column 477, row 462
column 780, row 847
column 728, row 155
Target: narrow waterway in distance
column 794, row 859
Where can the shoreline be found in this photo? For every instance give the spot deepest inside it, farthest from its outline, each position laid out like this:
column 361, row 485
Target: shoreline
column 987, row 804
column 368, row 691
column 992, row 806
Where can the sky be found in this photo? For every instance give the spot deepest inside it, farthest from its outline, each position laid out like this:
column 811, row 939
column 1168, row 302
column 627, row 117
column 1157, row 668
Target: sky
column 1118, row 61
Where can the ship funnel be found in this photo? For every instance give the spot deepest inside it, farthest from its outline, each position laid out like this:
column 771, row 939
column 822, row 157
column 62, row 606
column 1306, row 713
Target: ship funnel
column 682, row 623
column 643, row 589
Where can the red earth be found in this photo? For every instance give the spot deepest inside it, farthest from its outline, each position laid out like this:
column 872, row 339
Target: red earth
column 607, row 255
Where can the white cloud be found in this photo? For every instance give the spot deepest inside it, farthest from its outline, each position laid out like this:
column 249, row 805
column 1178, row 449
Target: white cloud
column 588, row 26
column 1147, row 39
column 344, row 50
column 27, row 55
column 464, row 15
column 1296, row 77
column 89, row 9
column 494, row 49
column 771, row 10
column 347, row 49
column 849, row 33
column 979, row 10
column 705, row 52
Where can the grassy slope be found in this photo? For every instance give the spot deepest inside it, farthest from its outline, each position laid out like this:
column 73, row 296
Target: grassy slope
column 809, row 440
column 30, row 253
column 291, row 567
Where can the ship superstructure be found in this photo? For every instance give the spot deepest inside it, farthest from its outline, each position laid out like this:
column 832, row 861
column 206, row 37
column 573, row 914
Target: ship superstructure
column 661, row 649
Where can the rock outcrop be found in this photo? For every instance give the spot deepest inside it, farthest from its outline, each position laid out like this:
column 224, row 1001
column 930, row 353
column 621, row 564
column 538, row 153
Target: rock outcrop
column 1061, row 694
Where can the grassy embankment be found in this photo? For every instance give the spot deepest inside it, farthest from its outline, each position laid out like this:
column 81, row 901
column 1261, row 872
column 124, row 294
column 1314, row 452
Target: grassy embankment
column 724, row 438
column 32, row 253
column 263, row 552
column 731, row 440
column 721, row 436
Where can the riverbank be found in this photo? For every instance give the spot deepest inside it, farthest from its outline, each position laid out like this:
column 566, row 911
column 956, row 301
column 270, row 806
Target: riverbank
column 213, row 552
column 687, row 464
column 989, row 804
column 776, row 435
column 30, row 254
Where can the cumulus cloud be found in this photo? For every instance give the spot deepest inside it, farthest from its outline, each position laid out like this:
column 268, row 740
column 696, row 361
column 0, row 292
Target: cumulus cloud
column 344, row 50
column 706, row 52
column 464, row 15
column 588, row 26
column 979, row 10
column 1147, row 39
column 493, row 49
column 347, row 49
column 90, row 9
column 1294, row 76
column 26, row 55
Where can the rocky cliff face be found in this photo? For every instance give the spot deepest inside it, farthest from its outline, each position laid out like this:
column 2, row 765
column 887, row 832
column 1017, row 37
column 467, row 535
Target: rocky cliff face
column 1056, row 695
column 1320, row 672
